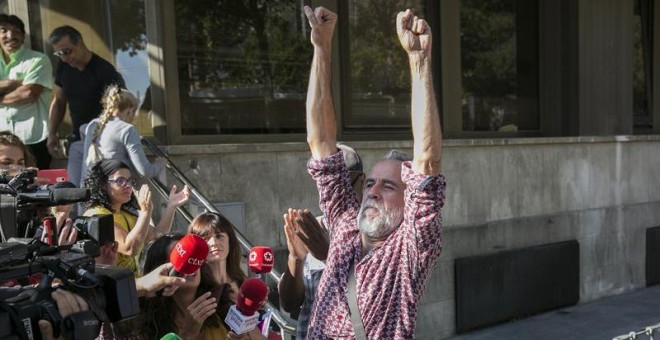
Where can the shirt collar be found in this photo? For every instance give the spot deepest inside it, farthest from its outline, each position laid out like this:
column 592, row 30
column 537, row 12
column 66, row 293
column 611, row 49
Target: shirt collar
column 16, row 54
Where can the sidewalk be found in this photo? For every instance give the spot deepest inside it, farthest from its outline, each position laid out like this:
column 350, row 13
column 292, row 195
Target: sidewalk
column 605, row 318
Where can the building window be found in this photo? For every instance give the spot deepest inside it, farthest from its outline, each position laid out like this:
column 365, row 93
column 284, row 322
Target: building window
column 500, row 69
column 642, row 65
column 378, row 91
column 243, row 66
column 128, row 44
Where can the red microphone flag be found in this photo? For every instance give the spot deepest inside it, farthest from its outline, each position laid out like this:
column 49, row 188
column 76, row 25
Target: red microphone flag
column 261, row 259
column 189, row 254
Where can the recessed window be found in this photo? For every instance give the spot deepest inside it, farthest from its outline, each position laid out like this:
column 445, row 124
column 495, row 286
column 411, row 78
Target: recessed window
column 379, row 75
column 243, row 66
column 499, row 60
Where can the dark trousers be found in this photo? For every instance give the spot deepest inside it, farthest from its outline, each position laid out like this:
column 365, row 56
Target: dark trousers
column 41, row 154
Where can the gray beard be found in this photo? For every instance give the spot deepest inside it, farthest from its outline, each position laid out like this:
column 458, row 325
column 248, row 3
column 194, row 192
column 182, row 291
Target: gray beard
column 381, row 226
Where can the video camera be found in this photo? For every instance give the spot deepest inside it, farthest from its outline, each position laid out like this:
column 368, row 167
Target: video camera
column 20, row 200
column 109, row 291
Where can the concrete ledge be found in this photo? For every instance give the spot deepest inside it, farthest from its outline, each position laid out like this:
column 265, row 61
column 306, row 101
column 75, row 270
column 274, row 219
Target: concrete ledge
column 397, row 144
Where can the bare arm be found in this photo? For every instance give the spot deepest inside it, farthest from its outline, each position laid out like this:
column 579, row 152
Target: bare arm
column 22, row 94
column 9, row 85
column 292, row 285
column 415, row 37
column 129, row 243
column 55, row 116
column 321, row 125
column 175, row 200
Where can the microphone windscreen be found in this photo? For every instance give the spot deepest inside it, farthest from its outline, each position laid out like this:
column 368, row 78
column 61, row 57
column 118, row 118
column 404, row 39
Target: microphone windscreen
column 253, row 293
column 189, row 254
column 69, row 195
column 261, row 259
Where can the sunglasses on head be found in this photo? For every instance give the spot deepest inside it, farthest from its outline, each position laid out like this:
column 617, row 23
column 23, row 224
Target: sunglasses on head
column 123, row 182
column 62, row 52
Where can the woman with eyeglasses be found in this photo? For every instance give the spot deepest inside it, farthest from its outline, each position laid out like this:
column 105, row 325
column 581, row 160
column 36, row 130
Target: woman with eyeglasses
column 112, row 192
column 113, row 136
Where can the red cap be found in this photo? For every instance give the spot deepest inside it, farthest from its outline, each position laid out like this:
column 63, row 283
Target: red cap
column 189, row 254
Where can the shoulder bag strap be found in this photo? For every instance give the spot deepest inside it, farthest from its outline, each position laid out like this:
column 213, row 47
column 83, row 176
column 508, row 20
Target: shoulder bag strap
column 358, row 327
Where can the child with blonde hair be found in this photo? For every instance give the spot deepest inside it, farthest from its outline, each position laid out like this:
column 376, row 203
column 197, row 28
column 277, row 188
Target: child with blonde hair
column 113, row 136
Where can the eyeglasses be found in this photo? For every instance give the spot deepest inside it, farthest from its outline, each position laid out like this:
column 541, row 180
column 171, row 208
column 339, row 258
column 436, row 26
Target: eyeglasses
column 123, row 182
column 63, row 52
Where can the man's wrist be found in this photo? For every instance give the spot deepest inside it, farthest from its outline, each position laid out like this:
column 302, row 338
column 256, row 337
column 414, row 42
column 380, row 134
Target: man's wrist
column 296, row 259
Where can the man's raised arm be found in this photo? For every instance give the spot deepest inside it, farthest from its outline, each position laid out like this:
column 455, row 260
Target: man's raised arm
column 321, row 125
column 415, row 37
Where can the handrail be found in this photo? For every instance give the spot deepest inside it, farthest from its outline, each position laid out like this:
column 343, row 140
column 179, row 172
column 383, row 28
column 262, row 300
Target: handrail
column 285, row 323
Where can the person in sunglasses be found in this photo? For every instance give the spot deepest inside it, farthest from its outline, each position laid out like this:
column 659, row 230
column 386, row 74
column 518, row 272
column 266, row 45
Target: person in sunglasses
column 25, row 89
column 81, row 78
column 113, row 192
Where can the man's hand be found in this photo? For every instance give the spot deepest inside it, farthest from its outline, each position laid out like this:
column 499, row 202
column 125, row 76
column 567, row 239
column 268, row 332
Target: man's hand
column 322, row 21
column 68, row 233
column 414, row 34
column 156, row 280
column 312, row 234
column 53, row 145
column 293, row 242
column 67, row 303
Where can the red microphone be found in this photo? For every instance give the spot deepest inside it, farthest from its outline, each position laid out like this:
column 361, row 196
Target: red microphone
column 261, row 259
column 188, row 255
column 243, row 316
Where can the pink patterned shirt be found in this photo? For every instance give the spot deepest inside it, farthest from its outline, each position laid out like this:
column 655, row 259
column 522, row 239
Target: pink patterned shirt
column 391, row 278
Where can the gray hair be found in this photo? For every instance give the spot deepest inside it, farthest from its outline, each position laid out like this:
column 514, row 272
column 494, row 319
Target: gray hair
column 397, row 155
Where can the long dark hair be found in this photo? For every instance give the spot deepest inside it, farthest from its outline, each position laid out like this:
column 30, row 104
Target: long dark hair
column 159, row 311
column 97, row 181
column 208, row 224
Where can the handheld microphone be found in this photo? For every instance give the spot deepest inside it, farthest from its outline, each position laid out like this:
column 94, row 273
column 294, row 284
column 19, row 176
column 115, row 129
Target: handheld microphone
column 261, row 259
column 188, row 255
column 243, row 316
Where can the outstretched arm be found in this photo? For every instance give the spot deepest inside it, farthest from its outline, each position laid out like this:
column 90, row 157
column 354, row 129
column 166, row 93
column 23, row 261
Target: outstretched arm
column 415, row 37
column 321, row 125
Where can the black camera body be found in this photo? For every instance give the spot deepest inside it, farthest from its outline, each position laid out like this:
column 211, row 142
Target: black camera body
column 20, row 201
column 109, row 291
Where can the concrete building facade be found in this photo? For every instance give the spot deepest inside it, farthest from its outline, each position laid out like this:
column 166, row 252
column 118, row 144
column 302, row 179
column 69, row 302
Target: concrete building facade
column 571, row 153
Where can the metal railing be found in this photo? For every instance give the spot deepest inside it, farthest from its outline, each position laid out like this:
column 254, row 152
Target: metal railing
column 287, row 324
column 646, row 331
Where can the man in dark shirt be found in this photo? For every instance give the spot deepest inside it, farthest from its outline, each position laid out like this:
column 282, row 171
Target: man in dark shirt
column 81, row 78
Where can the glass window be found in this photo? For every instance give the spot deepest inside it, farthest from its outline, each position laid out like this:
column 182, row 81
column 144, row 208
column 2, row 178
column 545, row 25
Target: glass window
column 499, row 60
column 379, row 87
column 129, row 44
column 243, row 66
column 642, row 59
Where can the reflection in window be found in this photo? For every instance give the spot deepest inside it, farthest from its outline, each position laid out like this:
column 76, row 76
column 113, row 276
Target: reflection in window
column 642, row 59
column 243, row 66
column 129, row 42
column 379, row 93
column 499, row 59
